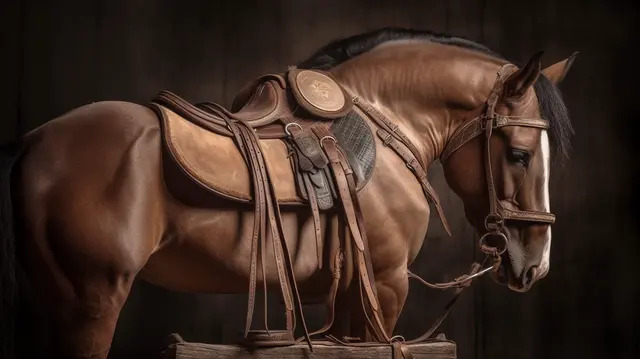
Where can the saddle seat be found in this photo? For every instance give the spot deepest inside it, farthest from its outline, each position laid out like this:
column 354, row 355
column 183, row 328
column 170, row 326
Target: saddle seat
column 199, row 140
column 260, row 103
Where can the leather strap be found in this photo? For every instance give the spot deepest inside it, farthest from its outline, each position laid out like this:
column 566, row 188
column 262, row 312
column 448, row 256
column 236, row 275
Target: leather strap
column 382, row 122
column 336, row 270
column 528, row 216
column 259, row 221
column 348, row 196
column 394, row 138
column 315, row 212
column 475, row 128
column 458, row 291
column 266, row 209
column 413, row 164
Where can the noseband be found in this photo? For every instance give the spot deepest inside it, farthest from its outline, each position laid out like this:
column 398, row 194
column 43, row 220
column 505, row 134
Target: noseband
column 486, row 123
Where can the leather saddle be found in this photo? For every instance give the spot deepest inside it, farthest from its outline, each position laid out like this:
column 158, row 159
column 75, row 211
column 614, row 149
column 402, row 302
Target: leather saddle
column 282, row 110
column 297, row 138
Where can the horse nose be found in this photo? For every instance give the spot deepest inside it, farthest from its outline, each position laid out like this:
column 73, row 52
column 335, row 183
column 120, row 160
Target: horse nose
column 529, row 276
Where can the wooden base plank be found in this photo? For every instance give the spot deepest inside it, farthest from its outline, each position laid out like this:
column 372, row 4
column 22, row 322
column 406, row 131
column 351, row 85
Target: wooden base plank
column 441, row 349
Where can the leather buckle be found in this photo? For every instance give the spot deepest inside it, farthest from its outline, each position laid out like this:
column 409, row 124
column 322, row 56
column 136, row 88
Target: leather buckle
column 484, row 120
column 411, row 165
column 286, row 128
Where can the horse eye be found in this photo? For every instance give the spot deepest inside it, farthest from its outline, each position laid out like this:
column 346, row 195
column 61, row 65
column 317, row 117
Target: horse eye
column 518, row 157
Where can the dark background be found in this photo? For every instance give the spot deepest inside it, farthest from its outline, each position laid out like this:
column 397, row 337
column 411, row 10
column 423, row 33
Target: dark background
column 65, row 54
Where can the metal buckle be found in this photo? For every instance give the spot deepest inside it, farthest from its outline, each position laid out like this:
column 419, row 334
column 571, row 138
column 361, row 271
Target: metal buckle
column 286, row 128
column 485, row 119
column 387, row 140
column 327, row 137
column 493, row 222
column 499, row 121
column 410, row 164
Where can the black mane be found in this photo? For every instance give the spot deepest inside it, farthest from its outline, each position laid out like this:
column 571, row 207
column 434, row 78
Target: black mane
column 552, row 107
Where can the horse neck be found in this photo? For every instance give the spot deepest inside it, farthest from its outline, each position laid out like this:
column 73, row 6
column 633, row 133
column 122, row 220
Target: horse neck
column 428, row 89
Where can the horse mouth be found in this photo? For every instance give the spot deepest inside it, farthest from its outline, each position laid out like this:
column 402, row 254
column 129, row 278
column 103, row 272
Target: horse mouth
column 505, row 276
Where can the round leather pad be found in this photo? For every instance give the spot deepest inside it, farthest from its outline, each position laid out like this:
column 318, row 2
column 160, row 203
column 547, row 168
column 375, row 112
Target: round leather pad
column 320, row 90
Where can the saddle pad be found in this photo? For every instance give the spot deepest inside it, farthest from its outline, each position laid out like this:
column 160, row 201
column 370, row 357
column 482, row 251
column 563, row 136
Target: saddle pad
column 214, row 161
column 358, row 143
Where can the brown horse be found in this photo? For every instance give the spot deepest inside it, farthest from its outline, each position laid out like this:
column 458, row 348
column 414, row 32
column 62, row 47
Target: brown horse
column 93, row 209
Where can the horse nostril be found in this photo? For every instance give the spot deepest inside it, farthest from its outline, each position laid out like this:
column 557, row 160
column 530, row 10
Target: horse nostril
column 529, row 276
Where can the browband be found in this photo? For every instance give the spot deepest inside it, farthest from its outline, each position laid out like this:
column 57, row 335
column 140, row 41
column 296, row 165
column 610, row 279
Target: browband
column 476, row 127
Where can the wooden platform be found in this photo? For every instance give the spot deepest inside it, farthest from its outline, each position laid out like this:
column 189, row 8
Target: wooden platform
column 441, row 349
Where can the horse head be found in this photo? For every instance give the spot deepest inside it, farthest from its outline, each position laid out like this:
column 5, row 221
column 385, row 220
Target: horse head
column 516, row 218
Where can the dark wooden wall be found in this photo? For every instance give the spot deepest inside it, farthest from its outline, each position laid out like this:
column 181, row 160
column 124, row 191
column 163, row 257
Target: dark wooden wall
column 64, row 54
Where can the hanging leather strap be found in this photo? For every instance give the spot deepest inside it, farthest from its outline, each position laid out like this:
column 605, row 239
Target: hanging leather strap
column 347, row 192
column 315, row 213
column 336, row 270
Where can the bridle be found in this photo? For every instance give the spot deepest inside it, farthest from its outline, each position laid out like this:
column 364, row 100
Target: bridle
column 486, row 123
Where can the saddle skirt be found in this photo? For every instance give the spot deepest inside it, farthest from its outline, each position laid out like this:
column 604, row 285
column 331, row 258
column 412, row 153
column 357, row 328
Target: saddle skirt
column 199, row 142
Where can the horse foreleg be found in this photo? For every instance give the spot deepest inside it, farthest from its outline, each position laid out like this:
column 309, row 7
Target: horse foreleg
column 393, row 287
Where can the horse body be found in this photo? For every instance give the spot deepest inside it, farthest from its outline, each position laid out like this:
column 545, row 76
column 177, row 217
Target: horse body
column 96, row 203
column 85, row 241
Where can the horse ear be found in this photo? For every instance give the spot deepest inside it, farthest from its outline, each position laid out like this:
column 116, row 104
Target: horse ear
column 558, row 71
column 519, row 82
